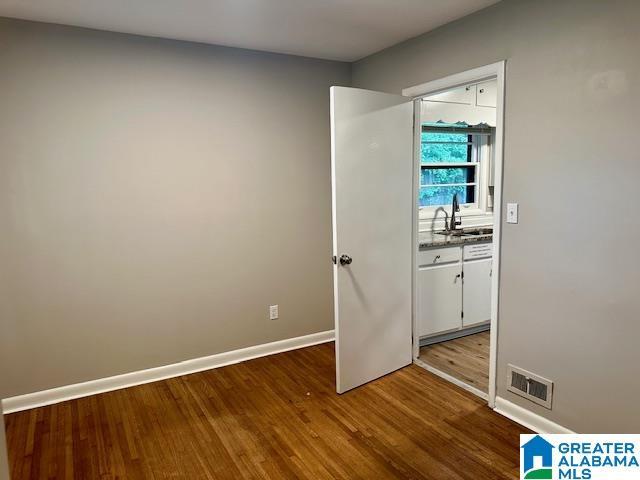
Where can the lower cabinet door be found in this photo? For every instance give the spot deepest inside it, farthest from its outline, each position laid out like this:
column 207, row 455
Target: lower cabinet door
column 477, row 292
column 439, row 299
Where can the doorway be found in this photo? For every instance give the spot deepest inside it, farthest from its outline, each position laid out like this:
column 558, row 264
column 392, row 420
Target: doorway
column 386, row 200
column 458, row 162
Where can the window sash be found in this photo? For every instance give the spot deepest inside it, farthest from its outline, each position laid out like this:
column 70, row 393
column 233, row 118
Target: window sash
column 470, row 184
column 466, row 166
column 468, row 144
column 477, row 141
column 448, row 166
column 465, row 204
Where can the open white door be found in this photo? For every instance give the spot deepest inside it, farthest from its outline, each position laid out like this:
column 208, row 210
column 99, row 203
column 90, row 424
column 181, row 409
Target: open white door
column 372, row 194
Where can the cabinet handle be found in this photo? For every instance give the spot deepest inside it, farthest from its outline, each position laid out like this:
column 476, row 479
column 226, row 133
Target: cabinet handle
column 455, row 280
column 436, row 258
column 482, row 90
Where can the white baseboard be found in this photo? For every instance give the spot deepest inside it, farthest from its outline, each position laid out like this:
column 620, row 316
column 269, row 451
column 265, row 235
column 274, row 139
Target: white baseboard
column 84, row 389
column 527, row 418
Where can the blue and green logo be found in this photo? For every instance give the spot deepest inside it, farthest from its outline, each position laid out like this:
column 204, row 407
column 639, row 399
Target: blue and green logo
column 537, row 459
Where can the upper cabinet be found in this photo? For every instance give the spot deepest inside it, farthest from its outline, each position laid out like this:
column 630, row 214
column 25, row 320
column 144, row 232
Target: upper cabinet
column 472, row 104
column 487, row 94
column 463, row 96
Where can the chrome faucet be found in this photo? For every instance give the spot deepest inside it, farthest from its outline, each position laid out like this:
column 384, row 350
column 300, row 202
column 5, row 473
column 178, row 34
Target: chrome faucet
column 455, row 207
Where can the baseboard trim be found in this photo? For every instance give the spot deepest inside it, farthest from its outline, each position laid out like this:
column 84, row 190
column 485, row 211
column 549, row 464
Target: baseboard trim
column 445, row 337
column 117, row 382
column 527, row 418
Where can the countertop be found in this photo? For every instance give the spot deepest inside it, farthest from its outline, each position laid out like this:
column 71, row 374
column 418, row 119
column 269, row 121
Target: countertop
column 431, row 239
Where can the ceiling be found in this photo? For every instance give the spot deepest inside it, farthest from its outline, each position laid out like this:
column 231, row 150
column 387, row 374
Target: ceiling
column 344, row 30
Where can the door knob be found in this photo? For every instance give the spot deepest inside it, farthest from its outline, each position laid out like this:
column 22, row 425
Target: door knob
column 345, row 260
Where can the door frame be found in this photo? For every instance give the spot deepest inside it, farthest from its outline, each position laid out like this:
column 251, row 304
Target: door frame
column 417, row 92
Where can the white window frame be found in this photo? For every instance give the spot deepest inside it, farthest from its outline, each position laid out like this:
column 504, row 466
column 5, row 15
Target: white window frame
column 481, row 156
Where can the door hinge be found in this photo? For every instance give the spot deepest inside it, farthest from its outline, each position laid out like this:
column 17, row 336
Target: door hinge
column 334, row 259
column 461, row 314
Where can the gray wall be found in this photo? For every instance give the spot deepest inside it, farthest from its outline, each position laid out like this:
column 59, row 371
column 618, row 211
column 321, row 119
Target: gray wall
column 155, row 198
column 570, row 273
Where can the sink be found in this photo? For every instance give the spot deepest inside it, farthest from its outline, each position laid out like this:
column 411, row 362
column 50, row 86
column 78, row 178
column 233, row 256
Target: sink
column 478, row 231
column 463, row 232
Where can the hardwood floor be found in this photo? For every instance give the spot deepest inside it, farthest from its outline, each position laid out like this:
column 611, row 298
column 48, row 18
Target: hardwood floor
column 465, row 358
column 272, row 418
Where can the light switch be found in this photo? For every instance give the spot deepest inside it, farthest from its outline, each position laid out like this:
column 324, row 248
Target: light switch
column 512, row 213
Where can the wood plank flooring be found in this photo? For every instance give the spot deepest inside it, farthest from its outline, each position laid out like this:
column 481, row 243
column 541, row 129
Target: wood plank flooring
column 275, row 417
column 465, row 358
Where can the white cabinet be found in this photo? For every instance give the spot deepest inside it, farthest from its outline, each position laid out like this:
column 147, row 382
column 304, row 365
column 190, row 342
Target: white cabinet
column 454, row 288
column 487, row 94
column 476, row 298
column 439, row 299
column 463, row 95
column 472, row 104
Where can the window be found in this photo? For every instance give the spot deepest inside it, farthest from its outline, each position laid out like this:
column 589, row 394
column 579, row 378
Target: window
column 449, row 165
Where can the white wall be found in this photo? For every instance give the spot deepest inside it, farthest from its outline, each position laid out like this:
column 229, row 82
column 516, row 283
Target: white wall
column 569, row 298
column 155, row 198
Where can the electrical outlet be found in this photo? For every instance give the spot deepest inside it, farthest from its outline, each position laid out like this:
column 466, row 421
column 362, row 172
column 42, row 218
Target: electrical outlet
column 273, row 312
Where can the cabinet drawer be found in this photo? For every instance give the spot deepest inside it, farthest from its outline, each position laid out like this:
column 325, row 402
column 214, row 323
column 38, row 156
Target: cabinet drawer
column 478, row 250
column 436, row 256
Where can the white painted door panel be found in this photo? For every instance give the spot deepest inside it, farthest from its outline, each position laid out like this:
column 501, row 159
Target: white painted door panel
column 439, row 299
column 372, row 196
column 477, row 292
